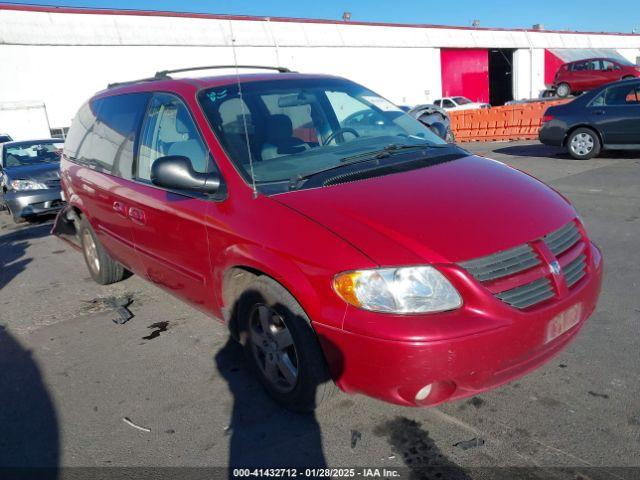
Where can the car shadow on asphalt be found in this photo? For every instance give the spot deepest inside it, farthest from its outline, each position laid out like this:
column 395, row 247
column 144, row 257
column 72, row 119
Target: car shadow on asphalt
column 29, row 434
column 536, row 150
column 13, row 248
column 540, row 150
column 262, row 433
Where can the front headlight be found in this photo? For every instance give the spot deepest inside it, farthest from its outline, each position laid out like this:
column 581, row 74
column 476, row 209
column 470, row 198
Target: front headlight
column 27, row 185
column 398, row 290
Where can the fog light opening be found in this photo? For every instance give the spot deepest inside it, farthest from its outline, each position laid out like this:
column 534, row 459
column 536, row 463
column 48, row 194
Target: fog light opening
column 423, row 393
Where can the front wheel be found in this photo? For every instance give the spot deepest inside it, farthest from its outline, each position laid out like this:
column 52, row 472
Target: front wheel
column 563, row 90
column 583, row 144
column 282, row 347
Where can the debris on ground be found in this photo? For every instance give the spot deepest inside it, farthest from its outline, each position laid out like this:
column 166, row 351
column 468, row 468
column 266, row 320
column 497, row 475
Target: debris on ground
column 157, row 328
column 119, row 305
column 128, row 421
column 467, row 444
column 600, row 395
column 355, row 436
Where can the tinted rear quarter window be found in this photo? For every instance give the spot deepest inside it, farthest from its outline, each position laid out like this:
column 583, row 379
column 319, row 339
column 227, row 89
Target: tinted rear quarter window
column 104, row 132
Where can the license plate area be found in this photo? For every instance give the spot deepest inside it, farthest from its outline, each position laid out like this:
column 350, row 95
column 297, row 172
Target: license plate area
column 563, row 322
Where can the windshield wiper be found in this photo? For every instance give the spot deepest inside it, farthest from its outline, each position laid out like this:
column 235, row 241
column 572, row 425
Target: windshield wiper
column 392, row 148
column 385, row 152
column 295, row 182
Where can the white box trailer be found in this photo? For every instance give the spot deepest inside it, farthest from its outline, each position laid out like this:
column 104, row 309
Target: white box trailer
column 24, row 120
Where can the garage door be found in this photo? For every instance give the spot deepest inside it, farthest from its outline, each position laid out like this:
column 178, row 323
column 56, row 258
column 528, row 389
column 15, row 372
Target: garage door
column 465, row 71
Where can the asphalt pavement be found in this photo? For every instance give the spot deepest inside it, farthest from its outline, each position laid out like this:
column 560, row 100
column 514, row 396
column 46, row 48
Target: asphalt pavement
column 168, row 389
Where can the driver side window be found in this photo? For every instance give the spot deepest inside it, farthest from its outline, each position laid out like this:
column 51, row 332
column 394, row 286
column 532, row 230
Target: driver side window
column 168, row 129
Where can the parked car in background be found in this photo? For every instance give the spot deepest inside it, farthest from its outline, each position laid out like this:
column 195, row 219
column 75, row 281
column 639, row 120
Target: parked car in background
column 384, row 259
column 606, row 118
column 459, row 103
column 584, row 75
column 436, row 119
column 30, row 178
column 5, row 137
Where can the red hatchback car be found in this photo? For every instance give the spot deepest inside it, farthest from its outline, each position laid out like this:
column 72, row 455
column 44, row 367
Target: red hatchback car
column 385, row 260
column 584, row 75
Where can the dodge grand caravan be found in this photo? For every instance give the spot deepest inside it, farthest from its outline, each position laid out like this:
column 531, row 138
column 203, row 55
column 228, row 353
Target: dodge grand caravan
column 384, row 261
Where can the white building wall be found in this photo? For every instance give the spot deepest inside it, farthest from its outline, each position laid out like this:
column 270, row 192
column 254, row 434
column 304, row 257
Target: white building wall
column 63, row 58
column 528, row 73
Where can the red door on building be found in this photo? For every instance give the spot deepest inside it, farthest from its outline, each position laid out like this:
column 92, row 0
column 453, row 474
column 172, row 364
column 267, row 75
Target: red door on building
column 465, row 71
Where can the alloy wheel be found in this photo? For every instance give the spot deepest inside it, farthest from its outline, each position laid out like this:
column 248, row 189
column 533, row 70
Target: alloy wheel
column 582, row 144
column 273, row 348
column 91, row 251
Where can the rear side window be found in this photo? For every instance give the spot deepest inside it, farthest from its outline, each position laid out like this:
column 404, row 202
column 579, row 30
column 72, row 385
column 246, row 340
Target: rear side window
column 103, row 134
column 619, row 95
column 78, row 137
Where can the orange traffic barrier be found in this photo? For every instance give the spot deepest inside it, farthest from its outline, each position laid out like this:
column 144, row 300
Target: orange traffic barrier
column 510, row 122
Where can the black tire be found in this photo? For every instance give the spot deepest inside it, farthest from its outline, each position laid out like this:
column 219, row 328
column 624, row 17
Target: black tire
column 313, row 384
column 563, row 90
column 629, row 77
column 583, row 144
column 103, row 269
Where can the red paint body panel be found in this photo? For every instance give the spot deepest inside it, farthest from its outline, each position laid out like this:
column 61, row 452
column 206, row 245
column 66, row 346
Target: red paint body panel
column 552, row 64
column 440, row 215
column 465, row 71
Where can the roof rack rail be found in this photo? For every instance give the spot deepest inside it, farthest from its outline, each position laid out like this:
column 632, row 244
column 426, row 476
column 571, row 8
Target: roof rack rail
column 130, row 82
column 165, row 73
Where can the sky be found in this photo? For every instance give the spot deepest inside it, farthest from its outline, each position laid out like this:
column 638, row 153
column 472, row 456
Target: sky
column 582, row 15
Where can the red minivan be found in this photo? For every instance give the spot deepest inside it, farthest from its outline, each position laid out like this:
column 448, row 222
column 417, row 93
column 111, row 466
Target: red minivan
column 383, row 260
column 584, row 75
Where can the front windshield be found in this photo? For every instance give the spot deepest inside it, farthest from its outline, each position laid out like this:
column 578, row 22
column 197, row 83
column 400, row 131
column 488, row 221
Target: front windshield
column 296, row 126
column 462, row 100
column 25, row 154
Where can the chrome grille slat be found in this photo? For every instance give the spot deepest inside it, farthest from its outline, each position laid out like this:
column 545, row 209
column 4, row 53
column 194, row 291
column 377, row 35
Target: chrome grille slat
column 529, row 294
column 523, row 257
column 575, row 270
column 502, row 264
column 562, row 239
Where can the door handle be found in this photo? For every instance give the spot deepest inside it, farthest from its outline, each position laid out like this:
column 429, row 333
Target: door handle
column 137, row 216
column 120, row 208
column 599, row 112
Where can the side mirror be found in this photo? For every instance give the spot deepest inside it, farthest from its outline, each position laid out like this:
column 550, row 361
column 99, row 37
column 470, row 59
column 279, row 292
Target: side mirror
column 176, row 172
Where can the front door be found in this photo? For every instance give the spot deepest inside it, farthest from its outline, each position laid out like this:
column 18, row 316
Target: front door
column 617, row 113
column 169, row 226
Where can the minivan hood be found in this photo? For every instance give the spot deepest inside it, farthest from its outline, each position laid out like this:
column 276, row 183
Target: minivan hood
column 450, row 212
column 40, row 172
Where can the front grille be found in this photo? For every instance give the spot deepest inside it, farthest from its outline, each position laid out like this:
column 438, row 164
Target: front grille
column 52, row 183
column 562, row 239
column 511, row 262
column 575, row 270
column 502, row 264
column 529, row 294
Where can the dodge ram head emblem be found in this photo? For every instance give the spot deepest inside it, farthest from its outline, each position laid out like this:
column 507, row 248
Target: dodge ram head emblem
column 555, row 267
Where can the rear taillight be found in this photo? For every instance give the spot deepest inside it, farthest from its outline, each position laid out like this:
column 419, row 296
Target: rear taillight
column 547, row 118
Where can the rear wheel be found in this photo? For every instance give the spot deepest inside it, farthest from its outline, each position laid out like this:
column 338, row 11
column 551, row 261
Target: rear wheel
column 628, row 77
column 563, row 90
column 103, row 269
column 583, row 144
column 282, row 347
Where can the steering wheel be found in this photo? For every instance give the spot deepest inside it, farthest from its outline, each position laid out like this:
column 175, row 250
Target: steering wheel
column 340, row 131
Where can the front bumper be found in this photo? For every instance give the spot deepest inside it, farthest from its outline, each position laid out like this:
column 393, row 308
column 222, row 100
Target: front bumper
column 29, row 203
column 460, row 365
